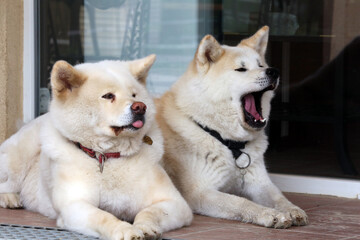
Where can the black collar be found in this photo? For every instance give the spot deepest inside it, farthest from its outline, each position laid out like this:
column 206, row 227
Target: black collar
column 234, row 146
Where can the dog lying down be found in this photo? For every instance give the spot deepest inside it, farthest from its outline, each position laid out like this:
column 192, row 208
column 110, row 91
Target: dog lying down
column 92, row 162
column 213, row 121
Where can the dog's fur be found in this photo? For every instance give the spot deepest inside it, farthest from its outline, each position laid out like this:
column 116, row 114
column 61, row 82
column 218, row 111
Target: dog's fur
column 42, row 169
column 211, row 93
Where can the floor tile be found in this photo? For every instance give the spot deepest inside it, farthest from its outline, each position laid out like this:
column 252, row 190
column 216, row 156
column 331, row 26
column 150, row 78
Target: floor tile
column 230, row 233
column 350, row 207
column 307, row 202
column 24, row 217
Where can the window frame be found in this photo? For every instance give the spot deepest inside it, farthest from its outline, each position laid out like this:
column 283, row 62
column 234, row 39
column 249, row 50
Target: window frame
column 29, row 62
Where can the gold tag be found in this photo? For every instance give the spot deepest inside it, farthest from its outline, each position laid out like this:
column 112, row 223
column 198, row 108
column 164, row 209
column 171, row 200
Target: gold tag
column 147, row 140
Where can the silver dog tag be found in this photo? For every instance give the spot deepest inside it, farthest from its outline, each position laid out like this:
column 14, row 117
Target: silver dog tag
column 101, row 158
column 101, row 166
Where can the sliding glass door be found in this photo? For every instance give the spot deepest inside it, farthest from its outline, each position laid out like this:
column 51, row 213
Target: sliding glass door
column 315, row 119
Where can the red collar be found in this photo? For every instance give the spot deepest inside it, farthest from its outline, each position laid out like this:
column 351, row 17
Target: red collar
column 101, row 157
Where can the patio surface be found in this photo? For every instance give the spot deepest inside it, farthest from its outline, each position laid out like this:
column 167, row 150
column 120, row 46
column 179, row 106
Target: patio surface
column 330, row 218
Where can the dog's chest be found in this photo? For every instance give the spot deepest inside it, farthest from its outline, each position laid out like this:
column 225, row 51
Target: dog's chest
column 123, row 205
column 121, row 190
column 235, row 179
column 222, row 171
column 218, row 169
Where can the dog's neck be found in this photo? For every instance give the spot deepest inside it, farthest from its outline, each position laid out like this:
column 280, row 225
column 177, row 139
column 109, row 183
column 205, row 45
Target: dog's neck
column 101, row 157
column 234, row 146
column 128, row 146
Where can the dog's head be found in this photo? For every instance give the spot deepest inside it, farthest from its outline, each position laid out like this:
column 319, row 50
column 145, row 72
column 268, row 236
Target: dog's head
column 235, row 84
column 96, row 103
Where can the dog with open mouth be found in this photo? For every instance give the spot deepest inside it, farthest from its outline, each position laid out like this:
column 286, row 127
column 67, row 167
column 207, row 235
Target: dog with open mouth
column 213, row 121
column 93, row 161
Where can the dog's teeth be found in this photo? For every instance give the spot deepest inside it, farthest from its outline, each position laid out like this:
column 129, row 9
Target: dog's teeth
column 263, row 120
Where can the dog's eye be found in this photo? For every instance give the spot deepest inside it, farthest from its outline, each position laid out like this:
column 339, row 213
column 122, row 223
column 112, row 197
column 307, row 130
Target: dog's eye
column 134, row 95
column 241, row 69
column 109, row 96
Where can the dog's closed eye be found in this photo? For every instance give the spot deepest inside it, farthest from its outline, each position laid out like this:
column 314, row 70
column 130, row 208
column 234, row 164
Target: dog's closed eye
column 242, row 69
column 109, row 96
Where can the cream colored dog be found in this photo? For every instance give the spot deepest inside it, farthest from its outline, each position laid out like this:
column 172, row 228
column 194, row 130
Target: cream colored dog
column 92, row 162
column 213, row 121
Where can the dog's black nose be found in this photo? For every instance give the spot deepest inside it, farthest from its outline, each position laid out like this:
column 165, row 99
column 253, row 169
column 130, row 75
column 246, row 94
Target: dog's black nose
column 139, row 108
column 272, row 73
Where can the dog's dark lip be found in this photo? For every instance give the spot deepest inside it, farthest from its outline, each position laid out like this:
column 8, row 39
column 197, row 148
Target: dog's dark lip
column 117, row 130
column 249, row 119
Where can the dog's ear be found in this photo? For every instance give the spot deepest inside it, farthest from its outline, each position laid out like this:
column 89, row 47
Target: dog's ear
column 64, row 78
column 258, row 41
column 208, row 52
column 140, row 68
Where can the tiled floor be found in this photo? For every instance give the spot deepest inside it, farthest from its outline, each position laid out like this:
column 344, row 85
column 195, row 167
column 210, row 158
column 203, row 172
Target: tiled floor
column 330, row 218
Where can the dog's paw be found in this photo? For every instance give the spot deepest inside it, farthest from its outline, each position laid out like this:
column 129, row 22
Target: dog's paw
column 274, row 219
column 151, row 231
column 10, row 200
column 127, row 232
column 298, row 216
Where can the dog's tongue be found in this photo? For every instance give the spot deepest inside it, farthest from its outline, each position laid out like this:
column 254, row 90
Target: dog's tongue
column 250, row 106
column 138, row 124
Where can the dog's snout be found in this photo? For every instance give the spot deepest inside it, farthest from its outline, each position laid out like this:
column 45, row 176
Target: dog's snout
column 272, row 73
column 138, row 108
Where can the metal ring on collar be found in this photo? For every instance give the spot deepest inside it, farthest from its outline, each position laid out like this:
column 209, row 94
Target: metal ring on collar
column 249, row 162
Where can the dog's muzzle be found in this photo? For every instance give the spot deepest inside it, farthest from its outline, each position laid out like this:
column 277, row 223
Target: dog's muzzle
column 251, row 102
column 273, row 74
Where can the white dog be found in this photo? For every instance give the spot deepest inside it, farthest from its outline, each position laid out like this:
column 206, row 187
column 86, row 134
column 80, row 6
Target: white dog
column 213, row 121
column 92, row 162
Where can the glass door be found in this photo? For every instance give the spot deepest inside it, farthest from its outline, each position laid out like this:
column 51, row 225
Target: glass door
column 315, row 119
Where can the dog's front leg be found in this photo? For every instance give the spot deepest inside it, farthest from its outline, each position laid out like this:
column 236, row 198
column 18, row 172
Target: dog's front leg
column 259, row 188
column 163, row 216
column 222, row 205
column 83, row 217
